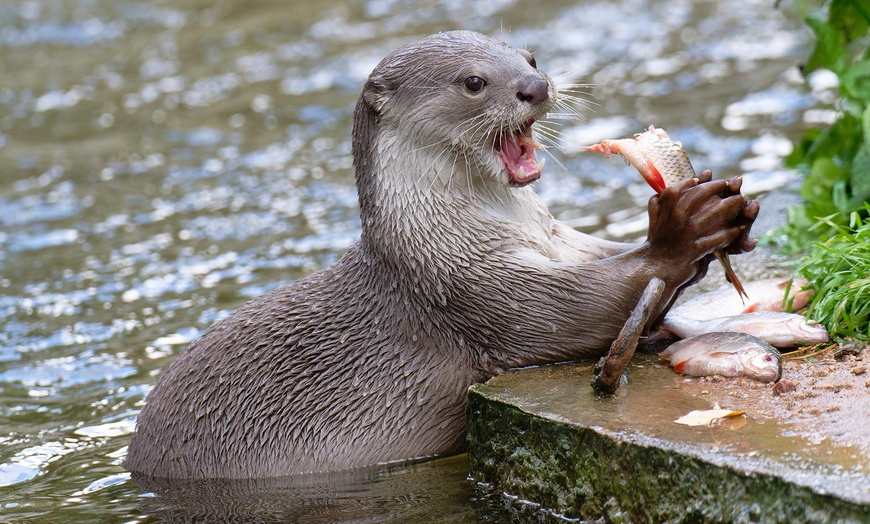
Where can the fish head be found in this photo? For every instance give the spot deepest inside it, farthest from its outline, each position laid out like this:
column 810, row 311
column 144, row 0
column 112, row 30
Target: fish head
column 763, row 363
column 810, row 332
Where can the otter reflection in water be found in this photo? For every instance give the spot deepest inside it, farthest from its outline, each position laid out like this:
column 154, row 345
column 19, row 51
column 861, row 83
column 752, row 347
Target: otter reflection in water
column 460, row 272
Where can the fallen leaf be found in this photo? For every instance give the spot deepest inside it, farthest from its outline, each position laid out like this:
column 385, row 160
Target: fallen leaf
column 706, row 417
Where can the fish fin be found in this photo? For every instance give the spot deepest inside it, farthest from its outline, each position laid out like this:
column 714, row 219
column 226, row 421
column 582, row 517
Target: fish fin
column 730, row 275
column 680, row 366
column 655, row 178
column 751, row 309
column 604, row 147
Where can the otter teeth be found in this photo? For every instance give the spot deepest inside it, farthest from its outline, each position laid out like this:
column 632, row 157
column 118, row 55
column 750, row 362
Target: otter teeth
column 517, row 151
column 522, row 175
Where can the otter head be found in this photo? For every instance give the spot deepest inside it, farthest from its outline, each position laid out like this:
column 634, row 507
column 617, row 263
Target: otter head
column 464, row 93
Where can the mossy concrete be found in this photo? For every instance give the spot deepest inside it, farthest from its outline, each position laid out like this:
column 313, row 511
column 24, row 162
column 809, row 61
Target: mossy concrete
column 541, row 434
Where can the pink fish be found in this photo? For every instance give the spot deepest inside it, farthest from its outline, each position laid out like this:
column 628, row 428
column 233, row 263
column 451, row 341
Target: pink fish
column 661, row 162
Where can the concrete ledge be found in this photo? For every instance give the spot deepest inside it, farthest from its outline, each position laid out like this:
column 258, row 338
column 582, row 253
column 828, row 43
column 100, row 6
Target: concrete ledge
column 541, row 435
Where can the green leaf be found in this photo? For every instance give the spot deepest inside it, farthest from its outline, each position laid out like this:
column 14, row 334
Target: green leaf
column 835, row 161
column 851, row 17
column 865, row 126
column 830, row 51
column 860, row 175
column 856, row 82
column 840, row 197
column 824, row 175
column 798, row 154
column 840, row 141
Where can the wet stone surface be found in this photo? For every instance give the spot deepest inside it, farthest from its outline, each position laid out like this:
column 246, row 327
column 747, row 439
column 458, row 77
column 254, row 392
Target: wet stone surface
column 799, row 454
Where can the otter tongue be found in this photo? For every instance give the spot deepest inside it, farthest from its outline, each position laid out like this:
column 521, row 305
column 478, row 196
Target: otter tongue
column 518, row 154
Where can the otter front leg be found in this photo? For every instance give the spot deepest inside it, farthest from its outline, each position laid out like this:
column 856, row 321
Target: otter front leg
column 522, row 309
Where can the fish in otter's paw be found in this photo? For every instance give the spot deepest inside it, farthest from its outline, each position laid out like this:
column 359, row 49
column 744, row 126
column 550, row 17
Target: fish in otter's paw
column 460, row 272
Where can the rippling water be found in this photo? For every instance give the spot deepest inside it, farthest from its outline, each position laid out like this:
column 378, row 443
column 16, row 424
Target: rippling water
column 165, row 162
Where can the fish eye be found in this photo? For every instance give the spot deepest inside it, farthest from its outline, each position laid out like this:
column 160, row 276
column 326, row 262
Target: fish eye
column 475, row 83
column 769, row 358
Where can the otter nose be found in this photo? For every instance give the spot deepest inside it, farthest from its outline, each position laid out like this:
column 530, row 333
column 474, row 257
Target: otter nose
column 533, row 89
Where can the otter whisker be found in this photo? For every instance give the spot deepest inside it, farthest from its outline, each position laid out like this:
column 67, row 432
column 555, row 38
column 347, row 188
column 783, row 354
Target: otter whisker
column 432, row 170
column 555, row 141
column 473, row 127
column 548, row 133
column 564, row 116
column 468, row 175
column 570, row 101
column 571, row 87
column 575, row 104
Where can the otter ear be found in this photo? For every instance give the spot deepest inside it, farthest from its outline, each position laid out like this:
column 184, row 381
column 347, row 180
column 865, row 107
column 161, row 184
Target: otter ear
column 376, row 93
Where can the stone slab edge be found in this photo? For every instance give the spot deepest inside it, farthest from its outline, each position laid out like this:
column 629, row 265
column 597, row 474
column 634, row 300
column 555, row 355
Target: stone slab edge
column 583, row 473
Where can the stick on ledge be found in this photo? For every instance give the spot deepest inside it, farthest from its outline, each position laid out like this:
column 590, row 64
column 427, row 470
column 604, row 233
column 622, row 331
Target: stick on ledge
column 609, row 370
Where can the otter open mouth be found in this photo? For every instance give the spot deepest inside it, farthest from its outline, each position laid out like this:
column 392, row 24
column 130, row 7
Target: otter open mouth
column 517, row 151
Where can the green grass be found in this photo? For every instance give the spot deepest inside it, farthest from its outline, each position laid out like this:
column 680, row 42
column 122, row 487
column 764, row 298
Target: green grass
column 839, row 271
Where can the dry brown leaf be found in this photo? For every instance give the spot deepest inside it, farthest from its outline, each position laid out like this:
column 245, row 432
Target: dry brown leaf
column 706, row 417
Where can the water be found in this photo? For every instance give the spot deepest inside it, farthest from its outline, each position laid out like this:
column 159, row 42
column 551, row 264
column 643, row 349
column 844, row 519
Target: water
column 165, row 162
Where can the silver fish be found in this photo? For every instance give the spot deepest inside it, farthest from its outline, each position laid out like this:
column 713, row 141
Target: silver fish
column 725, row 354
column 774, row 327
column 767, row 295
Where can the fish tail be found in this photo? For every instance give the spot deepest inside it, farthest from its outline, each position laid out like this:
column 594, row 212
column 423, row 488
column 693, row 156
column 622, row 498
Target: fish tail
column 731, row 276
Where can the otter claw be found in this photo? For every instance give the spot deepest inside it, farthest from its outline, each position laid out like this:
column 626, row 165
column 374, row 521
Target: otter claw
column 734, row 184
column 751, row 209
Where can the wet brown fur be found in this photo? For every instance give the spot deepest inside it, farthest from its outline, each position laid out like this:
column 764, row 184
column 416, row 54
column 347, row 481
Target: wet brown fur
column 456, row 277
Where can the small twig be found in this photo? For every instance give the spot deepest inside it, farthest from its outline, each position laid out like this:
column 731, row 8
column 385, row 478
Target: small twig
column 804, row 349
column 808, row 355
column 610, row 368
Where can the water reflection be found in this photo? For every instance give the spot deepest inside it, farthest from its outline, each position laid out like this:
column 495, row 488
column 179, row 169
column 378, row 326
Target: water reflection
column 398, row 493
column 163, row 163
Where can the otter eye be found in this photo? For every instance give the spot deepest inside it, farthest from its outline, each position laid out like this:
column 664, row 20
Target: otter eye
column 474, row 83
column 533, row 62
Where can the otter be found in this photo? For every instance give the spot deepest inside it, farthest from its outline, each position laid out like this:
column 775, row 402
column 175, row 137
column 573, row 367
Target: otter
column 460, row 273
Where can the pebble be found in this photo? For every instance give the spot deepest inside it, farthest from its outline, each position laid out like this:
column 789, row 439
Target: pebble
column 784, row 386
